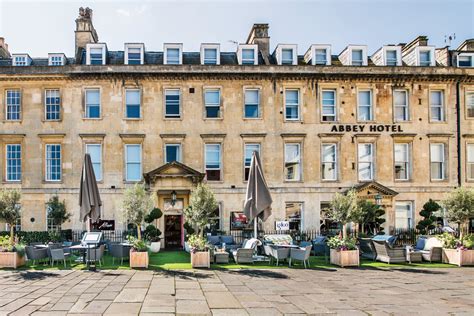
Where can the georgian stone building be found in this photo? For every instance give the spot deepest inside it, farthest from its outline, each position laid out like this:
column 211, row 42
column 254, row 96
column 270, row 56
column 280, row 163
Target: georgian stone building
column 398, row 125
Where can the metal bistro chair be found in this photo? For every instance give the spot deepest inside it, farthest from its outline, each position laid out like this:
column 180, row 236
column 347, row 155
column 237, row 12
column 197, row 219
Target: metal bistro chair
column 119, row 251
column 96, row 254
column 34, row 254
column 59, row 255
column 301, row 254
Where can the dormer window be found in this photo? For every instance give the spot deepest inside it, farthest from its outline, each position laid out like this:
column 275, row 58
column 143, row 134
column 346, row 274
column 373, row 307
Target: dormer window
column 391, row 58
column 56, row 59
column 134, row 54
column 318, row 55
column 286, row 54
column 21, row 60
column 247, row 54
column 357, row 57
column 173, row 54
column 96, row 54
column 425, row 56
column 466, row 60
column 210, row 54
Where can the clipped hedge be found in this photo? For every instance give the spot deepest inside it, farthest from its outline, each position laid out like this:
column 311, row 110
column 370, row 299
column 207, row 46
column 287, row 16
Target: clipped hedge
column 28, row 237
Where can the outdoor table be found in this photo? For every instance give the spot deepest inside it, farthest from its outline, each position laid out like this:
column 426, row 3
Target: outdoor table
column 221, row 257
column 82, row 249
column 412, row 255
column 284, row 246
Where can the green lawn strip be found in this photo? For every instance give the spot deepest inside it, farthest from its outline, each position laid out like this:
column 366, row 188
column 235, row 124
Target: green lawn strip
column 180, row 260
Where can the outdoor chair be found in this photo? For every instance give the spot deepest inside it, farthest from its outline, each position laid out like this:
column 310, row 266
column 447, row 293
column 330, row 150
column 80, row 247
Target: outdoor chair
column 34, row 254
column 36, row 243
column 267, row 249
column 245, row 254
column 301, row 254
column 303, row 244
column 279, row 253
column 387, row 253
column 119, row 251
column 430, row 248
column 320, row 248
column 95, row 254
column 367, row 249
column 59, row 255
column 51, row 247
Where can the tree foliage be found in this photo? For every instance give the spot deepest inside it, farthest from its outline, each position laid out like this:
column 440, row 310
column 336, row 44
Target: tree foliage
column 153, row 233
column 136, row 204
column 370, row 216
column 429, row 219
column 10, row 208
column 201, row 207
column 343, row 208
column 57, row 211
column 460, row 207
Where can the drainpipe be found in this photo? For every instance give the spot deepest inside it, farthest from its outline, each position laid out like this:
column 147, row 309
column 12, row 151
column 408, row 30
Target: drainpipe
column 458, row 128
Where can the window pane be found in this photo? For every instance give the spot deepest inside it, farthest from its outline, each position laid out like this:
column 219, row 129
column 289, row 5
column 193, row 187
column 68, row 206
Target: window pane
column 252, row 103
column 437, row 152
column 172, row 55
column 292, row 162
column 320, row 55
column 249, row 149
column 213, row 152
column 403, row 215
column 211, row 97
column 173, row 152
column 13, row 104
column 391, row 56
column 133, row 153
column 399, row 97
column 53, row 162
column 292, row 104
column 425, row 58
column 52, row 103
column 95, row 151
column 172, row 103
column 13, row 162
column 329, row 162
column 133, row 163
column 357, row 57
column 286, row 56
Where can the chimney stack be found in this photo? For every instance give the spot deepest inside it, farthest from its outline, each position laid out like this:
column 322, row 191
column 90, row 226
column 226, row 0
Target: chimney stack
column 259, row 35
column 85, row 32
column 4, row 53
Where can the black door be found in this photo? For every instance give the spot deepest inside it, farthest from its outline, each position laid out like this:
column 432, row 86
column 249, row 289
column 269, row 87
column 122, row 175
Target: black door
column 172, row 231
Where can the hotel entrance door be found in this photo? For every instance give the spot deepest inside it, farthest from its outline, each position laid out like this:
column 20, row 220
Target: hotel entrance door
column 173, row 225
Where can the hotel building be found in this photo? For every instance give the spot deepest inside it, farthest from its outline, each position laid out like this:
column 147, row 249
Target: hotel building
column 397, row 125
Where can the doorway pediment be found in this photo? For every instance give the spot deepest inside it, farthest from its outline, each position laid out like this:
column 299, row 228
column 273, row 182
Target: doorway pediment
column 174, row 170
column 371, row 189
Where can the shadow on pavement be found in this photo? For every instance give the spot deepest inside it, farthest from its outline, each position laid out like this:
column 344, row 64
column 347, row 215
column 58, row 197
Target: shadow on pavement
column 407, row 270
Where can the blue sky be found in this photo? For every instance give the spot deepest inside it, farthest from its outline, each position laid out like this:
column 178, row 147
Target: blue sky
column 39, row 27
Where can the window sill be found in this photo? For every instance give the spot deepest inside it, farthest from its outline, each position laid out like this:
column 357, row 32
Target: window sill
column 173, row 118
column 330, row 181
column 293, row 121
column 252, row 118
column 215, row 181
column 213, row 118
column 330, row 122
column 438, row 122
column 12, row 121
column 293, row 181
column 132, row 119
column 51, row 121
column 131, row 181
column 439, row 180
column 11, row 182
column 92, row 118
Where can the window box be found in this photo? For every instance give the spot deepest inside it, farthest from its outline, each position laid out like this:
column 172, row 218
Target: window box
column 200, row 259
column 11, row 260
column 458, row 257
column 344, row 258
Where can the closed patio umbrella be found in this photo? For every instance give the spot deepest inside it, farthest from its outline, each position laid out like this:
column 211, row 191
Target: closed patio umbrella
column 89, row 197
column 258, row 200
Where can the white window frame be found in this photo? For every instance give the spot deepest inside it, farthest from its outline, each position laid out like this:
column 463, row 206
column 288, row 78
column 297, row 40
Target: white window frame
column 47, row 174
column 469, row 97
column 127, row 162
column 259, row 110
column 430, row 49
column 279, row 53
column 101, row 160
column 440, row 106
column 20, row 107
column 173, row 116
column 53, row 62
column 411, row 218
column 300, row 162
column 407, row 163
column 86, row 116
column 241, row 47
column 363, row 48
column 298, row 105
column 205, row 46
column 177, row 46
column 46, row 91
column 221, row 173
column 310, row 55
column 398, row 51
column 7, row 175
column 370, row 106
column 212, row 105
column 335, row 162
column 442, row 162
column 90, row 46
column 139, row 104
column 469, row 162
column 179, row 155
column 26, row 60
column 259, row 150
column 406, row 106
column 334, row 91
column 140, row 46
column 470, row 55
column 371, row 162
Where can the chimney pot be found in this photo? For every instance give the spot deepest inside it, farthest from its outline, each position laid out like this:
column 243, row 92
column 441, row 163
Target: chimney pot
column 259, row 35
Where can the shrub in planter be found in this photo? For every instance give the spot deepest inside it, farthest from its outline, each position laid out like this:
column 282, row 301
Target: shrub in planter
column 12, row 253
column 152, row 233
column 458, row 251
column 200, row 256
column 344, row 251
column 138, row 253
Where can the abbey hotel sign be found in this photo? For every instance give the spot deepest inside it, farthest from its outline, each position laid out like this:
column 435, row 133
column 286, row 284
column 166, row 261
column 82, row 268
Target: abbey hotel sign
column 373, row 128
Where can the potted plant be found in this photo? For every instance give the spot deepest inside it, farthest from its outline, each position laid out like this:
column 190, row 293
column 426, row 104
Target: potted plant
column 343, row 251
column 198, row 214
column 152, row 233
column 135, row 206
column 189, row 231
column 458, row 251
column 138, row 253
column 10, row 208
column 12, row 254
column 460, row 208
column 57, row 212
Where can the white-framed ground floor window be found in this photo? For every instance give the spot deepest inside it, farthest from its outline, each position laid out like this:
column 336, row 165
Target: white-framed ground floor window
column 404, row 217
column 294, row 215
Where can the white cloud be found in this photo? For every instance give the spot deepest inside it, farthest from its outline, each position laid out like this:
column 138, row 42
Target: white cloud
column 123, row 12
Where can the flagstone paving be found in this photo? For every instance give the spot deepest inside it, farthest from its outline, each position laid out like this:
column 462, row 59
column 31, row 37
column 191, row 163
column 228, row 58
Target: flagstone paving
column 239, row 292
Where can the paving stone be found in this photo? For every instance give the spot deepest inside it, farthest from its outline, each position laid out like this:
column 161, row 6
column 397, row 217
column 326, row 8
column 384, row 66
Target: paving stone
column 221, row 300
column 25, row 310
column 123, row 309
column 107, row 295
column 192, row 307
column 229, row 312
column 41, row 301
column 189, row 295
column 97, row 307
column 131, row 295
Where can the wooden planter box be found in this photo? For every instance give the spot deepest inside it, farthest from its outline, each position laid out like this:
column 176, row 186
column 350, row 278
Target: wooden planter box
column 11, row 260
column 201, row 259
column 458, row 257
column 347, row 258
column 138, row 259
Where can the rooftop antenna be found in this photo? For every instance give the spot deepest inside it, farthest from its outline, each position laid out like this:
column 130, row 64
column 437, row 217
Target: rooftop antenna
column 449, row 38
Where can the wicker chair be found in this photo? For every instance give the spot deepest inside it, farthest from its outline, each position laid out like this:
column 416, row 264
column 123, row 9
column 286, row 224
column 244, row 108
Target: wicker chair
column 387, row 253
column 430, row 248
column 119, row 251
column 36, row 254
column 301, row 254
column 367, row 249
column 58, row 255
column 245, row 254
column 96, row 254
column 279, row 253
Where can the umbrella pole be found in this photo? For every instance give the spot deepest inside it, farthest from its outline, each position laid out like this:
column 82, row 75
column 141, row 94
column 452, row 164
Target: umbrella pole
column 255, row 224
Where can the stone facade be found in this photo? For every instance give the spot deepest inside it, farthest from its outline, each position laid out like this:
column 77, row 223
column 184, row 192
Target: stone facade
column 232, row 130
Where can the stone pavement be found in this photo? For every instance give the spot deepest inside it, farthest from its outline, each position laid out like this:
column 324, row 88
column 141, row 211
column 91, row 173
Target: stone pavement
column 239, row 292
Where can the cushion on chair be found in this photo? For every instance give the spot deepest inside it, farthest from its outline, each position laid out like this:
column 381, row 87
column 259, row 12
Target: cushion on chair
column 228, row 240
column 214, row 240
column 432, row 242
column 319, row 240
column 390, row 239
column 420, row 244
